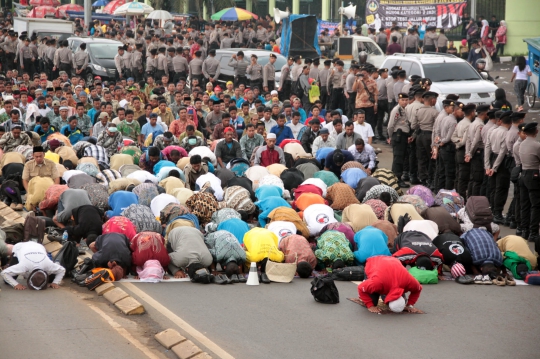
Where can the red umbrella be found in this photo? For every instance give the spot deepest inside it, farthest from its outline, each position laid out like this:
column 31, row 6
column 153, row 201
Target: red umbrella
column 113, row 5
column 40, row 12
column 61, row 11
column 44, row 2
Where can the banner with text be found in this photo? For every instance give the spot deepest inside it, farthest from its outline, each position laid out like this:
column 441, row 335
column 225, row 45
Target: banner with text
column 440, row 13
column 332, row 26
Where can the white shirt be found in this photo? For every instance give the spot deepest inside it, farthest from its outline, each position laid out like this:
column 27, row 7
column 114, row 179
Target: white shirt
column 319, row 183
column 317, row 216
column 282, row 229
column 143, row 176
column 161, row 201
column 68, row 174
column 295, row 129
column 364, row 130
column 31, row 255
column 215, row 183
column 318, row 143
column 521, row 75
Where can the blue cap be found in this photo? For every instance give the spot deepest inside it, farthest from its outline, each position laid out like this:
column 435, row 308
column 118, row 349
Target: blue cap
column 130, row 79
column 83, row 94
column 154, row 115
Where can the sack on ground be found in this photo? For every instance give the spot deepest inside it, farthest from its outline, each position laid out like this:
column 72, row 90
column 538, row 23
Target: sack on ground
column 324, row 290
column 67, row 256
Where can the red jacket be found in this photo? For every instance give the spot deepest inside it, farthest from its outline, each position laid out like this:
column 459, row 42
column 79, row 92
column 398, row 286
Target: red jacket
column 387, row 276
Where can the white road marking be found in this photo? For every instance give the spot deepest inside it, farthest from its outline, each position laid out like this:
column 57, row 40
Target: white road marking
column 185, row 326
column 123, row 332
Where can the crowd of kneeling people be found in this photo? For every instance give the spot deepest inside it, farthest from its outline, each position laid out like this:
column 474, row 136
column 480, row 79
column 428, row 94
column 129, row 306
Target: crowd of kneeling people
column 187, row 217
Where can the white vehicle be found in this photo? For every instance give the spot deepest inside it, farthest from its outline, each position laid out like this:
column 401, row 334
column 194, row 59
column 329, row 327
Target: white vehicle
column 449, row 74
column 374, row 53
column 55, row 26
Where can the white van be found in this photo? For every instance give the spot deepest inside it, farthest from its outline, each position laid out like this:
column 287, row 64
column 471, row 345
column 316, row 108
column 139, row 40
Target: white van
column 363, row 43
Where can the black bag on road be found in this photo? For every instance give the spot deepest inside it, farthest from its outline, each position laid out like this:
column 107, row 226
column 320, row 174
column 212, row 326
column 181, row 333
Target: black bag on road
column 324, row 290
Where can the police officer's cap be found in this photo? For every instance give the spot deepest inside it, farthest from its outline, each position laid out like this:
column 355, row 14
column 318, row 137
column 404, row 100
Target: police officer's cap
column 403, row 95
column 396, row 68
column 316, row 60
column 121, row 47
column 482, row 108
column 401, row 72
column 459, row 104
column 530, row 127
column 426, row 81
column 521, row 126
column 383, row 70
column 273, row 55
column 430, row 94
column 449, row 102
column 505, row 114
column 518, row 115
column 162, row 49
column 470, row 106
column 153, row 51
column 355, row 67
column 452, row 97
column 171, row 49
column 308, row 61
column 327, row 62
column 414, row 78
column 297, row 57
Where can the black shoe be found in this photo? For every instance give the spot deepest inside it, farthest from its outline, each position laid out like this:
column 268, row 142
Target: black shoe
column 234, row 278
column 405, row 177
column 219, row 280
column 519, row 231
column 513, row 225
column 264, row 278
column 498, row 218
column 415, row 180
column 534, row 238
column 54, row 238
column 402, row 184
column 525, row 235
column 508, row 219
column 242, row 278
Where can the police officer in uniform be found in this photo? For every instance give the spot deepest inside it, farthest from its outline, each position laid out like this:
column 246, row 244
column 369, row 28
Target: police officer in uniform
column 240, row 66
column 511, row 139
column 529, row 153
column 269, row 74
column 422, row 124
column 323, row 78
column 162, row 68
column 474, row 151
column 210, row 68
column 180, row 66
column 9, row 45
column 460, row 138
column 496, row 167
column 447, row 149
column 255, row 71
column 195, row 67
column 337, row 78
column 430, row 39
column 120, row 64
column 398, row 136
column 411, row 110
column 151, row 63
column 515, row 177
column 80, row 60
column 137, row 62
column 26, row 56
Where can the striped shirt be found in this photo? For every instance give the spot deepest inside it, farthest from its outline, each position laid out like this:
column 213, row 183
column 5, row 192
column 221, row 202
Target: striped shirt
column 482, row 246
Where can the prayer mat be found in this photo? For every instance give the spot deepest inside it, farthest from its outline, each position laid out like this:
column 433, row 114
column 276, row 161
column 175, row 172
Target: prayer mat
column 384, row 307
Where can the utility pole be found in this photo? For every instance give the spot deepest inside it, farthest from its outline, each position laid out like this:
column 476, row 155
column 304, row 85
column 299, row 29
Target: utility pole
column 88, row 14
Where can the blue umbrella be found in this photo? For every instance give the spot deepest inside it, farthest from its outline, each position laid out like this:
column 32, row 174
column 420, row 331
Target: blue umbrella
column 100, row 3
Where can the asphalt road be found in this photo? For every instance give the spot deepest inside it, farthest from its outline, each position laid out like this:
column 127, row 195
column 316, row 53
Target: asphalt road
column 283, row 321
column 276, row 320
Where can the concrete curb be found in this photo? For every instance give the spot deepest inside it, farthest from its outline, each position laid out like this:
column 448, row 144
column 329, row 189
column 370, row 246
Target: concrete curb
column 121, row 300
column 180, row 346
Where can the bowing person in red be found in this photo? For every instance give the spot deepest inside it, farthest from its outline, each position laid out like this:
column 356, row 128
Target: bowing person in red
column 387, row 277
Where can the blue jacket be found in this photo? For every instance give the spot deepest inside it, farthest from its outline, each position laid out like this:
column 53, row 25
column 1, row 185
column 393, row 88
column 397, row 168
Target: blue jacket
column 74, row 135
column 370, row 242
column 286, row 133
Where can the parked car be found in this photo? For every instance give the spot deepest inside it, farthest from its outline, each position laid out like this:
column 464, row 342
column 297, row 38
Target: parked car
column 364, row 44
column 449, row 74
column 58, row 36
column 101, row 54
column 227, row 72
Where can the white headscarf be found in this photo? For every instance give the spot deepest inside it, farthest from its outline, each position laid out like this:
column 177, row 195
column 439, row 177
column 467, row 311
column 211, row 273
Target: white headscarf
column 485, row 25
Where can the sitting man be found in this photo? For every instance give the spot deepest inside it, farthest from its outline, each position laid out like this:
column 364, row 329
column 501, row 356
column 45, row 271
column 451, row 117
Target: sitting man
column 322, row 141
column 195, row 169
column 69, row 200
column 227, row 251
column 188, row 253
column 39, row 167
column 112, row 251
column 296, row 249
column 148, row 160
column 72, row 131
column 365, row 154
column 13, row 139
column 44, row 129
column 111, row 139
column 220, row 129
column 281, row 131
column 191, row 139
column 250, row 141
column 228, row 149
column 165, row 139
column 387, row 276
column 269, row 154
column 30, row 260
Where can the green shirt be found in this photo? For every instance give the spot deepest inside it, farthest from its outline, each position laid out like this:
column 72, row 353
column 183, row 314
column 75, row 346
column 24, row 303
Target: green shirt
column 131, row 130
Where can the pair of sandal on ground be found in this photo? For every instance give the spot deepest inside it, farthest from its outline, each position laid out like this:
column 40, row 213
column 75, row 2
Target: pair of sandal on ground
column 499, row 280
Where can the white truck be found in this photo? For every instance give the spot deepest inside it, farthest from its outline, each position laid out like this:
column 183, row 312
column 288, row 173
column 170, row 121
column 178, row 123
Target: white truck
column 45, row 27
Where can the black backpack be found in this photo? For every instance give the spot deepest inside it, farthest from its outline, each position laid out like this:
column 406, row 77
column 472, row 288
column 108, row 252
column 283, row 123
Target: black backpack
column 324, row 290
column 67, row 256
column 354, row 273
